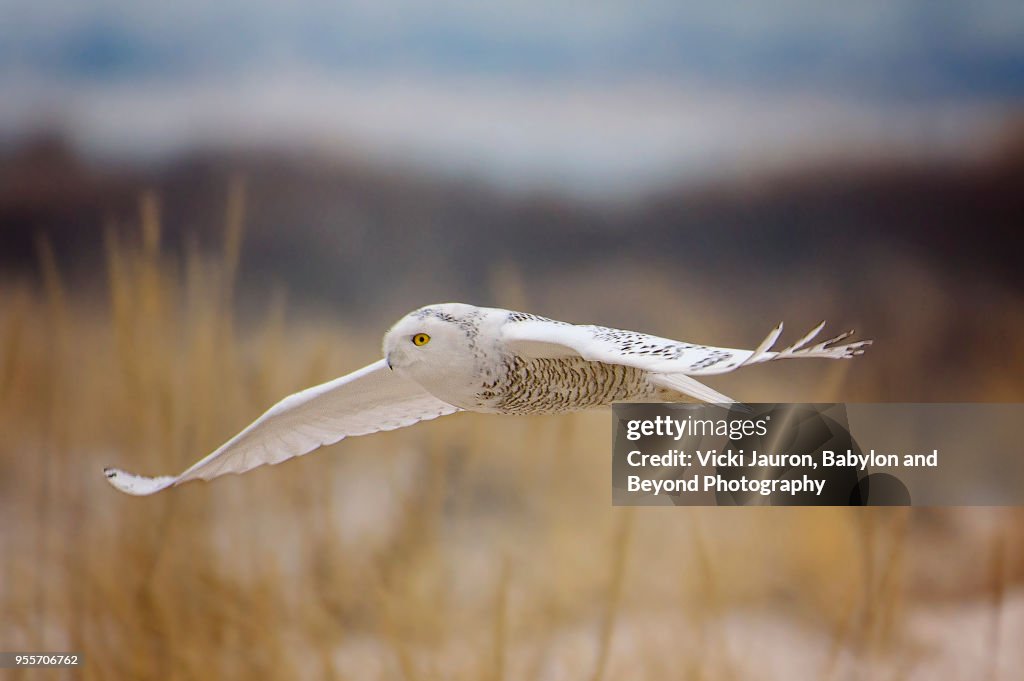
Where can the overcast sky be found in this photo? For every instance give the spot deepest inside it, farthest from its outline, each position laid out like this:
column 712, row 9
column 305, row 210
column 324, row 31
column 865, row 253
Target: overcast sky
column 612, row 91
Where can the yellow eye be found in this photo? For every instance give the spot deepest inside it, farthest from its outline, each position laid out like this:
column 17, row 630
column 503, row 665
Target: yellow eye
column 420, row 339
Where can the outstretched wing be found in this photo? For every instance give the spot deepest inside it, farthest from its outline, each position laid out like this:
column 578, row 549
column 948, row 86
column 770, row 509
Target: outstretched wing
column 366, row 401
column 671, row 363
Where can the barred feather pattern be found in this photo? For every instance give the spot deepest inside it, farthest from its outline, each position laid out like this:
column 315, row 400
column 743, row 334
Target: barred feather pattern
column 554, row 386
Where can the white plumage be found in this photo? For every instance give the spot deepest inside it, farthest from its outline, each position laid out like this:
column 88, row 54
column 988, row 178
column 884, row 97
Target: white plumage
column 445, row 358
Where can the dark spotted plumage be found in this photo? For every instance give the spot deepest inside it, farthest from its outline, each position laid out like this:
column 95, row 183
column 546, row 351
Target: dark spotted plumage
column 633, row 343
column 551, row 386
column 528, row 317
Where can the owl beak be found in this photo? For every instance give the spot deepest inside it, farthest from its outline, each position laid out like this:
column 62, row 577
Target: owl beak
column 387, row 360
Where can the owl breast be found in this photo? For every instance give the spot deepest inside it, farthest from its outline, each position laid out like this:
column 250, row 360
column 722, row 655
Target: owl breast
column 552, row 386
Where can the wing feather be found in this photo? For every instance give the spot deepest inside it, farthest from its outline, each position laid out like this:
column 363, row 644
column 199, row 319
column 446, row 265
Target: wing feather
column 670, row 362
column 369, row 400
column 629, row 348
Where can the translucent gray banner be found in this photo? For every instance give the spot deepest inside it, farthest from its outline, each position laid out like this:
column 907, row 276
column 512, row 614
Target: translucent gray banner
column 817, row 455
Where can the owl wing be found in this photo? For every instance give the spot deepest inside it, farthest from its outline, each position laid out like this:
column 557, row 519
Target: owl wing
column 671, row 363
column 369, row 400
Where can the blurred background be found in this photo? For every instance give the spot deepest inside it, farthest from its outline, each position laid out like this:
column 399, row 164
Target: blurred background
column 206, row 206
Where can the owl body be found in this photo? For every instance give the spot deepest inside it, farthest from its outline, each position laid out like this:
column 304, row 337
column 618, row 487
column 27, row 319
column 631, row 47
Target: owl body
column 499, row 378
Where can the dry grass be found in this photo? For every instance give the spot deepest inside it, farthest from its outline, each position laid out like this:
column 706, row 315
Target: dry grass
column 469, row 548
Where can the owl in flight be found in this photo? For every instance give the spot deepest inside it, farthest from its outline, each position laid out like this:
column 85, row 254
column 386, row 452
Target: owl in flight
column 452, row 357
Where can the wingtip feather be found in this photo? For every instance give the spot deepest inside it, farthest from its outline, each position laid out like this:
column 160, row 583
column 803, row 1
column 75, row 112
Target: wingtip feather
column 766, row 345
column 137, row 485
column 795, row 347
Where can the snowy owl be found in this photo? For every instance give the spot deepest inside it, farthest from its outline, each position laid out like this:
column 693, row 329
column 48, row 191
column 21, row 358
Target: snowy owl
column 452, row 357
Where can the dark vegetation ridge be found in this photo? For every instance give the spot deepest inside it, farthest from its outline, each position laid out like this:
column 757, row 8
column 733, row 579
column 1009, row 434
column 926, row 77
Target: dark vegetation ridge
column 335, row 230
